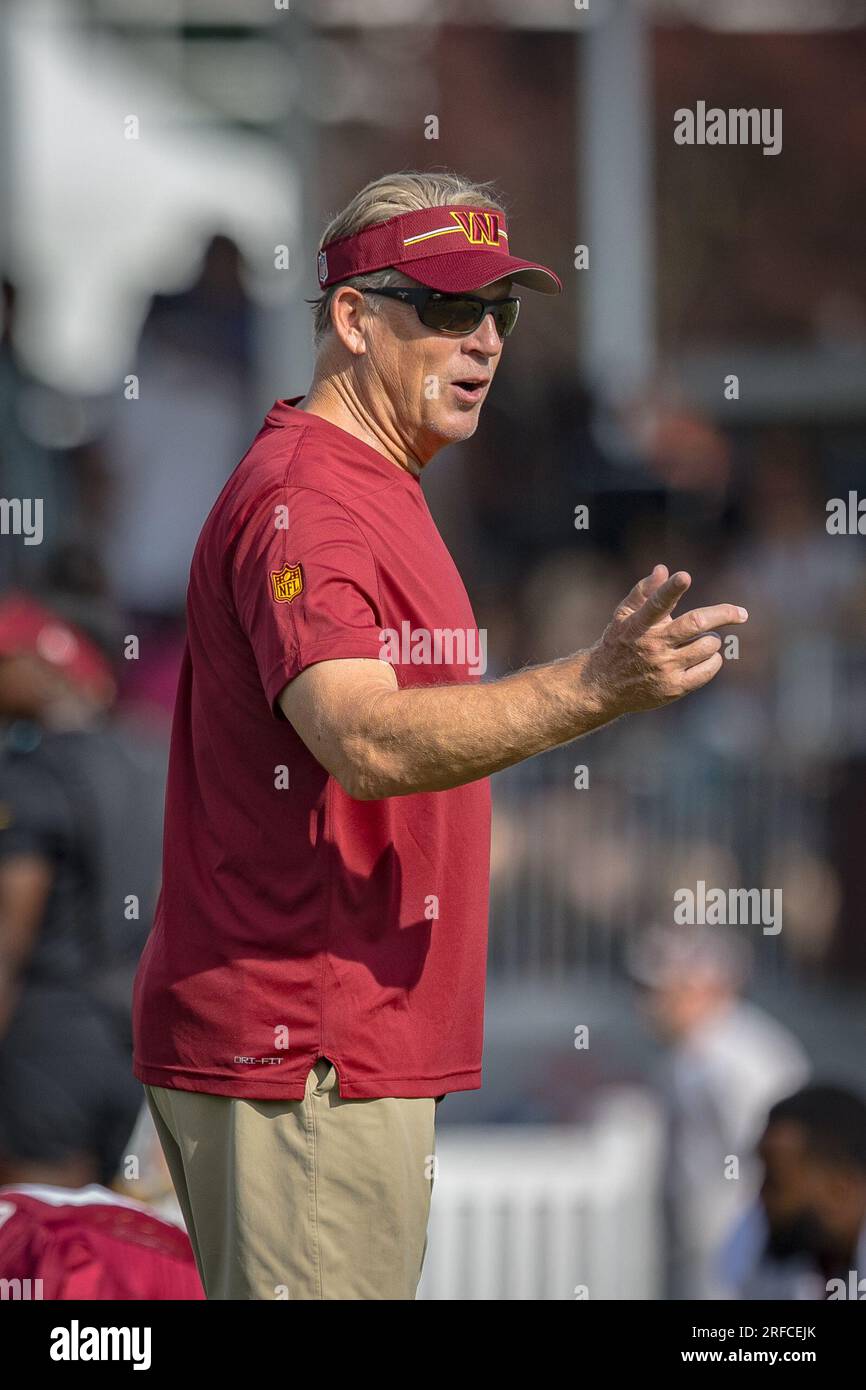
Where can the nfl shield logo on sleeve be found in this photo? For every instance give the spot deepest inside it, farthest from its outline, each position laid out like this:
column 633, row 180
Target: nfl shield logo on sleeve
column 323, row 267
column 287, row 583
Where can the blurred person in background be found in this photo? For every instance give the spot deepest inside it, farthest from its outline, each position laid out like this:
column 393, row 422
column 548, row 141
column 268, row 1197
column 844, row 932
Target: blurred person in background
column 165, row 453
column 805, row 1238
column 169, row 451
column 727, row 1062
column 80, row 824
column 807, row 589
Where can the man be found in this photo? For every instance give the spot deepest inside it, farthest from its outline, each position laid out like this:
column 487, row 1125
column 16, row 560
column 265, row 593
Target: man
column 806, row 1237
column 314, row 981
column 727, row 1062
column 80, row 821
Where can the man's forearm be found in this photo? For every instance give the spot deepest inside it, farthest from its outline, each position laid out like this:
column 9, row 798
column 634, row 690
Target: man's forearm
column 378, row 741
column 435, row 737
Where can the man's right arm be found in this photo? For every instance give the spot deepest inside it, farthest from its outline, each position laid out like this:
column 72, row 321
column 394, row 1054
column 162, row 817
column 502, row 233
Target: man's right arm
column 25, row 886
column 379, row 740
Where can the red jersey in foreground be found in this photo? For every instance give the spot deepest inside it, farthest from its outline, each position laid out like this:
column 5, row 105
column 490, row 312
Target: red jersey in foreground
column 90, row 1243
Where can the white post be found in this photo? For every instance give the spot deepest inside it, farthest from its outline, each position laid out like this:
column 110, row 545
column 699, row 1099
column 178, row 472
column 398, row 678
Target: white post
column 617, row 332
column 284, row 348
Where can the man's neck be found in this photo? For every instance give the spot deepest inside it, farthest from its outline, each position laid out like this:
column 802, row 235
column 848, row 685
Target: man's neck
column 343, row 409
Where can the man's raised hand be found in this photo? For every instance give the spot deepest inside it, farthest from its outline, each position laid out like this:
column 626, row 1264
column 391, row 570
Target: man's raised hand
column 645, row 657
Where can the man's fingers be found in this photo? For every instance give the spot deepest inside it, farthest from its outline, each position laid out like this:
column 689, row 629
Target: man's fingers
column 701, row 620
column 659, row 603
column 642, row 590
column 693, row 653
column 653, row 582
column 702, row 674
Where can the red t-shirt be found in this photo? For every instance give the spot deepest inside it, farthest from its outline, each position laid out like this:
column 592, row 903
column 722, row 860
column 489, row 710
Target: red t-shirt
column 295, row 922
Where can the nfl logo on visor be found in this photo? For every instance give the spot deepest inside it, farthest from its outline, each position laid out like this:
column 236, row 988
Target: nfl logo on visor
column 323, row 267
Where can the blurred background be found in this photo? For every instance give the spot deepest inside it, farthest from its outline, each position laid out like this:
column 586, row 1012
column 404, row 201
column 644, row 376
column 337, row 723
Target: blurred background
column 165, row 173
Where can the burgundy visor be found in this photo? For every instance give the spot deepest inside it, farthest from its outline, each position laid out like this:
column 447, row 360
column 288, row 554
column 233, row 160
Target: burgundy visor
column 451, row 249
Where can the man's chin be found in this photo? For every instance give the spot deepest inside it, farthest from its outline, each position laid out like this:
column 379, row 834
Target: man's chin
column 454, row 425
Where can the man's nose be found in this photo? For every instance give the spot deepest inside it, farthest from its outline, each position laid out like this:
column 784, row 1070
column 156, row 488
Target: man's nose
column 485, row 338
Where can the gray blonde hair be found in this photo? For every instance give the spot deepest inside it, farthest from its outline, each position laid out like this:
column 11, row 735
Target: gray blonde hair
column 408, row 191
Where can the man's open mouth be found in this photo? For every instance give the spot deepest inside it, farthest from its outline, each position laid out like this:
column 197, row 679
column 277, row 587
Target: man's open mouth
column 470, row 390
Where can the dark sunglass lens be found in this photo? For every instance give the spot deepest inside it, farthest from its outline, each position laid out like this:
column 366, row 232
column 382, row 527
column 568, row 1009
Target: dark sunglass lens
column 452, row 315
column 505, row 317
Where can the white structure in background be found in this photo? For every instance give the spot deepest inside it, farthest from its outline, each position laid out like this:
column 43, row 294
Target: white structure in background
column 539, row 1212
column 614, row 137
column 97, row 221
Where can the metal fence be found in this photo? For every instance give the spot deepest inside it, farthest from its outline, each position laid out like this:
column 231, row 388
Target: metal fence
column 578, row 870
column 548, row 1213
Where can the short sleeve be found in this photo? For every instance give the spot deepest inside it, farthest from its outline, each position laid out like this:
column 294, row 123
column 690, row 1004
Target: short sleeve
column 304, row 586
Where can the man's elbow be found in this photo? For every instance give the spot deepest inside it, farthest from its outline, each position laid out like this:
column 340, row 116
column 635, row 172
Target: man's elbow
column 361, row 789
column 365, row 776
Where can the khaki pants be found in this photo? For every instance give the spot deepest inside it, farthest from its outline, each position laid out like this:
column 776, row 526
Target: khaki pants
column 320, row 1198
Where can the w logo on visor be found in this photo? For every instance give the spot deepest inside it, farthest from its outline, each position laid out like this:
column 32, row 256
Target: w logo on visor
column 479, row 228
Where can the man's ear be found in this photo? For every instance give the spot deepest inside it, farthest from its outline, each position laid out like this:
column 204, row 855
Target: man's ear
column 347, row 315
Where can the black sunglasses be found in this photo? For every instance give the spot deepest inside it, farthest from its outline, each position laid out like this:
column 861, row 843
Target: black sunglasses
column 456, row 314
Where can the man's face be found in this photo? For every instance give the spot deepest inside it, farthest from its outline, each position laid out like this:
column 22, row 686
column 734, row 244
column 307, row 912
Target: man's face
column 681, row 1001
column 413, row 371
column 791, row 1193
column 27, row 685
